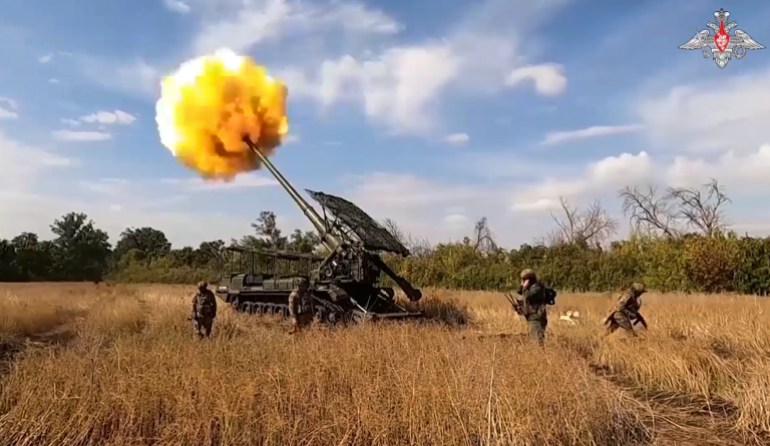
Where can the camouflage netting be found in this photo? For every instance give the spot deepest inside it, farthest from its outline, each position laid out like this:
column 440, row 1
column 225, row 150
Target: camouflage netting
column 371, row 233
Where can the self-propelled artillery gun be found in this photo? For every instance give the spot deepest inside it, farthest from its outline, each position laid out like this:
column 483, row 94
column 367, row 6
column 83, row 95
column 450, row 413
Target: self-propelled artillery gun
column 345, row 282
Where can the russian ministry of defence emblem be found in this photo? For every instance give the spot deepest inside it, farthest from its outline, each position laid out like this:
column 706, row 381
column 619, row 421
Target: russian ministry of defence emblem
column 721, row 46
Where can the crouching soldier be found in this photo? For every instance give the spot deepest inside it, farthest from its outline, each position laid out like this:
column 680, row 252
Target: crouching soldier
column 301, row 308
column 204, row 310
column 535, row 296
column 625, row 314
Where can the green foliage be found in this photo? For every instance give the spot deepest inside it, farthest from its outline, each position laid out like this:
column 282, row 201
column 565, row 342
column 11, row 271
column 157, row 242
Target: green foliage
column 690, row 263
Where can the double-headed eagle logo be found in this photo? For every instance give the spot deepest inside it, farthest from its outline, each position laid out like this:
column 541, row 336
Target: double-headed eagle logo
column 721, row 46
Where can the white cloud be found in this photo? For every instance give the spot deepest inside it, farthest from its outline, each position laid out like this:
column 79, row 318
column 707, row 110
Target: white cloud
column 53, row 81
column 359, row 18
column 291, row 139
column 8, row 114
column 599, row 178
column 712, row 116
column 109, row 118
column 742, row 173
column 589, row 132
column 137, row 76
column 23, row 168
column 9, row 110
column 242, row 26
column 72, row 122
column 401, row 86
column 177, row 6
column 436, row 210
column 457, row 139
column 397, row 88
column 549, row 78
column 539, row 205
column 457, row 219
column 9, row 102
column 443, row 211
column 71, row 135
column 47, row 58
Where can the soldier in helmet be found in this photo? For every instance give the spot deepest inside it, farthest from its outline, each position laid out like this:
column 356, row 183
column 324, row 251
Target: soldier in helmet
column 625, row 313
column 204, row 310
column 534, row 301
column 301, row 308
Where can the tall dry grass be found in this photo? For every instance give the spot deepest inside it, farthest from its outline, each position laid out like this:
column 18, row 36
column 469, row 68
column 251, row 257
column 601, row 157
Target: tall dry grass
column 128, row 371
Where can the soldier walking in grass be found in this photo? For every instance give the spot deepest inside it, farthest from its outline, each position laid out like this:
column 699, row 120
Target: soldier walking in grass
column 301, row 307
column 534, row 298
column 204, row 310
column 625, row 314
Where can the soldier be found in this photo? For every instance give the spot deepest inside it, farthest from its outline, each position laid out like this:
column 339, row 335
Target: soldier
column 625, row 314
column 204, row 310
column 301, row 306
column 534, row 301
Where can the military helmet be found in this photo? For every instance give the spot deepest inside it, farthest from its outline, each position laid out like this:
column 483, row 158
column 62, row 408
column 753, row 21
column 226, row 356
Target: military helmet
column 638, row 287
column 303, row 282
column 528, row 274
column 202, row 285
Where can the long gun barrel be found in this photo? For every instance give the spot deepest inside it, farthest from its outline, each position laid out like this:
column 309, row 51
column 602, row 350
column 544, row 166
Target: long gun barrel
column 330, row 241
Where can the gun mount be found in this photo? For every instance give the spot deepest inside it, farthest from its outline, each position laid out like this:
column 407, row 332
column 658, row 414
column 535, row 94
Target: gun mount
column 346, row 282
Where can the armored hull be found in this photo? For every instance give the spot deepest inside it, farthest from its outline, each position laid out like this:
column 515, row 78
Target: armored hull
column 265, row 293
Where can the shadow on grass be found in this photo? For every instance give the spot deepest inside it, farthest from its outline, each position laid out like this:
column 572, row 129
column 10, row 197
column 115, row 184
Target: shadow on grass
column 11, row 348
column 444, row 312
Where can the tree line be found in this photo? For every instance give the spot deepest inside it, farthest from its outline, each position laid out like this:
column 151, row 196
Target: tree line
column 680, row 241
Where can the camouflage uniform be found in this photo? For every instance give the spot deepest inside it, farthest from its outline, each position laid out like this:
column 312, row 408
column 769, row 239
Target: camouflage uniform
column 534, row 305
column 626, row 311
column 204, row 310
column 301, row 306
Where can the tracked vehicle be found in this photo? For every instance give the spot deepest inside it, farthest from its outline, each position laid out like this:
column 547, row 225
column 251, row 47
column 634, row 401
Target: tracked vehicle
column 345, row 283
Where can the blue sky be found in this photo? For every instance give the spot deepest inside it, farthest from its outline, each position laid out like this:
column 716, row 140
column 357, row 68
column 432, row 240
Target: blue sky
column 433, row 113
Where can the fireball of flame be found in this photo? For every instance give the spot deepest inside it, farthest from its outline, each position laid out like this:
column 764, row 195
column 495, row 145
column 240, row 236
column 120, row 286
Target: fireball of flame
column 211, row 104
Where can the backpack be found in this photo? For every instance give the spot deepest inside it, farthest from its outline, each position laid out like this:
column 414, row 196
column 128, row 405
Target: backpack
column 550, row 295
column 203, row 305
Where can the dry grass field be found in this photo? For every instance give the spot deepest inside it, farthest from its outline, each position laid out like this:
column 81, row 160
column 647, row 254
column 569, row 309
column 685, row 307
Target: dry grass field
column 86, row 364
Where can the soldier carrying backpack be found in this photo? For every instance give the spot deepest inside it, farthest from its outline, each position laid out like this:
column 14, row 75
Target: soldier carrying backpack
column 535, row 296
column 204, row 310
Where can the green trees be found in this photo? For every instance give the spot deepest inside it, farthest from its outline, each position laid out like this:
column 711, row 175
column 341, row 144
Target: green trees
column 78, row 252
column 679, row 242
